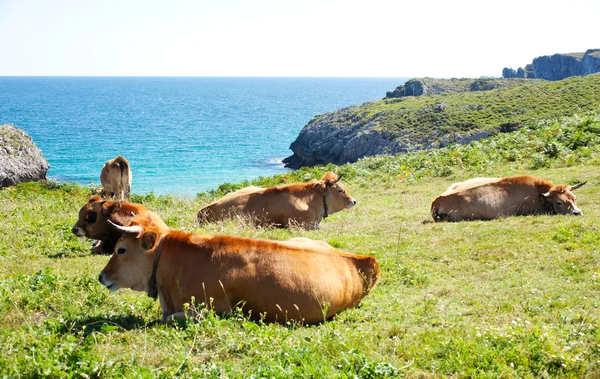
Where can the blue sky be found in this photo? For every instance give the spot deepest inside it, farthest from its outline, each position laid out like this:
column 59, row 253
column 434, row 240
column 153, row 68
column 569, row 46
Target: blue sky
column 376, row 38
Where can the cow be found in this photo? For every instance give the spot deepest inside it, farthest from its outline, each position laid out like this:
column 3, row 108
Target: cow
column 94, row 216
column 511, row 196
column 115, row 178
column 297, row 204
column 299, row 280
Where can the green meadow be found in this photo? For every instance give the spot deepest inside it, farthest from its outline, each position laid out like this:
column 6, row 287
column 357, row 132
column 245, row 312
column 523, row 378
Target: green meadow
column 513, row 298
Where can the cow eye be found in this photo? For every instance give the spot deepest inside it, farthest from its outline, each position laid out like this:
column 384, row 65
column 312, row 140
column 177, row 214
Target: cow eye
column 121, row 251
column 91, row 217
column 559, row 203
column 340, row 190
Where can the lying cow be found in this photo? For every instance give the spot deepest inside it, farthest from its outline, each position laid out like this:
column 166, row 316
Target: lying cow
column 94, row 216
column 302, row 204
column 115, row 178
column 297, row 280
column 512, row 196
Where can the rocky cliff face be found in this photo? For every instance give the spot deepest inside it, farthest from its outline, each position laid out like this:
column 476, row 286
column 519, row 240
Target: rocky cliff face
column 558, row 66
column 323, row 140
column 20, row 158
column 590, row 62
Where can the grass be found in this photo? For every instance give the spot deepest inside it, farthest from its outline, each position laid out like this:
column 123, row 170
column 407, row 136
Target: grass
column 515, row 297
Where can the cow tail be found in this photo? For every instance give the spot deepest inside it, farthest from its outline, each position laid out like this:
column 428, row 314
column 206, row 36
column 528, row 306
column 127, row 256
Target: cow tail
column 375, row 275
column 434, row 212
column 370, row 273
column 202, row 216
column 125, row 186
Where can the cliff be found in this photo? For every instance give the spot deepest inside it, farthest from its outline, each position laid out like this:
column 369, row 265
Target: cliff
column 20, row 158
column 558, row 66
column 409, row 123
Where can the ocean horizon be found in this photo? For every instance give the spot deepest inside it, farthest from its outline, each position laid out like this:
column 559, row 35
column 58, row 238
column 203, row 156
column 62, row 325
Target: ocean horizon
column 181, row 135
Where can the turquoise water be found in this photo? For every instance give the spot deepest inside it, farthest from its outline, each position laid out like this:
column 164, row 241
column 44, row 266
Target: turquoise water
column 180, row 135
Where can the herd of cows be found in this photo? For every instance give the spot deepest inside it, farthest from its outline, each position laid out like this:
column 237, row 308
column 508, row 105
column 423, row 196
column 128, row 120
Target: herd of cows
column 298, row 280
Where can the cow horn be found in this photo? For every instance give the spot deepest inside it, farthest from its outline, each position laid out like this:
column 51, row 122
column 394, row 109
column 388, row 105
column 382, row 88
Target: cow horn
column 577, row 185
column 134, row 229
column 332, row 182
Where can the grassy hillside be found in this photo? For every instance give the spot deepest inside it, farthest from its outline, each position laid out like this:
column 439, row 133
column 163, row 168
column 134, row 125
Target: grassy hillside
column 431, row 120
column 515, row 297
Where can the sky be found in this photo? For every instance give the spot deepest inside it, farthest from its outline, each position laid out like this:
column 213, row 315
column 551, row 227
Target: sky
column 306, row 38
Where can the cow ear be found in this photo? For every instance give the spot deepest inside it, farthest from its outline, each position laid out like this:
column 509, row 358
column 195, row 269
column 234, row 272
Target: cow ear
column 114, row 212
column 109, row 208
column 149, row 240
column 320, row 186
column 94, row 199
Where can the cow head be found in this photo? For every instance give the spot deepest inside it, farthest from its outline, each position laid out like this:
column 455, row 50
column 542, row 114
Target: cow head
column 336, row 196
column 130, row 266
column 93, row 217
column 561, row 199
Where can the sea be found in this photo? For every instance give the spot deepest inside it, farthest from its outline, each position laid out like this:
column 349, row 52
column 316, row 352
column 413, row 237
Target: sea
column 181, row 135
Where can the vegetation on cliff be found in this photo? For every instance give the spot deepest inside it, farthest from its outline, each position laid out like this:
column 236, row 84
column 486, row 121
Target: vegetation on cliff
column 514, row 297
column 433, row 86
column 493, row 111
column 411, row 123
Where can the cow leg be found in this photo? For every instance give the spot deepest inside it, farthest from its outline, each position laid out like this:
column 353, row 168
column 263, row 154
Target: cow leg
column 313, row 226
column 174, row 318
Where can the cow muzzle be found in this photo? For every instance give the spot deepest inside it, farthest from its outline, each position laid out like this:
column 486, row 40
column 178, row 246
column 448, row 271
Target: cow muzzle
column 577, row 212
column 79, row 232
column 107, row 283
column 351, row 203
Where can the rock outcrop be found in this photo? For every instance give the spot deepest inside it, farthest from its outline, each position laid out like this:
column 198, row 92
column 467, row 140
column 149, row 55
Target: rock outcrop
column 509, row 73
column 20, row 158
column 558, row 66
column 413, row 87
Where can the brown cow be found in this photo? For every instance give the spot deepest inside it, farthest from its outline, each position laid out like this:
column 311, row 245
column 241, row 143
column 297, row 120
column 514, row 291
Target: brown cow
column 512, row 196
column 302, row 204
column 278, row 281
column 94, row 214
column 115, row 178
